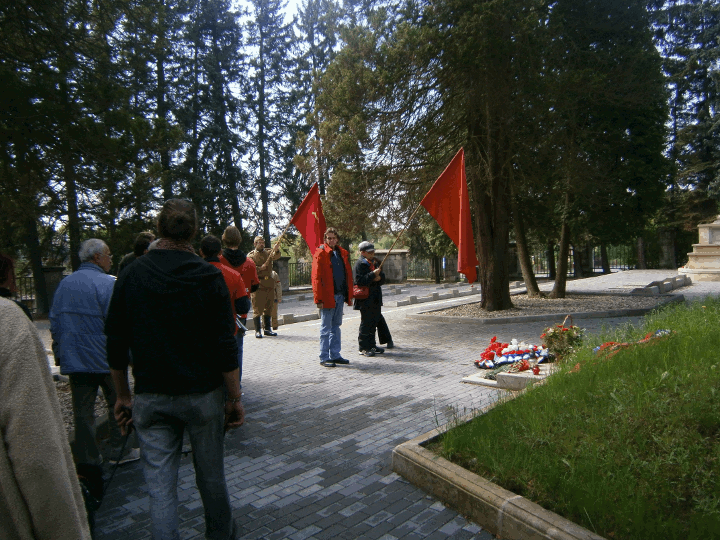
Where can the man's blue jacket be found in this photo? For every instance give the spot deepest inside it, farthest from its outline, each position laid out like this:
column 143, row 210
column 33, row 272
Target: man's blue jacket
column 77, row 320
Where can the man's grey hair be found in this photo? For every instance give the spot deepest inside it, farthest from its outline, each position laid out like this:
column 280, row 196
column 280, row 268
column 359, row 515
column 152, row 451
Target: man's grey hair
column 90, row 248
column 153, row 244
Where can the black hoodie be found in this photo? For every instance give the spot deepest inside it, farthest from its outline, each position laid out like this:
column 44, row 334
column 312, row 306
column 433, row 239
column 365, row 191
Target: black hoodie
column 171, row 309
column 234, row 256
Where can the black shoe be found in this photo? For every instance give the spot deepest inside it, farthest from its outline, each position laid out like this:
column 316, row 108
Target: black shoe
column 258, row 334
column 327, row 363
column 268, row 326
column 341, row 360
column 258, row 327
column 378, row 350
column 368, row 353
column 390, row 345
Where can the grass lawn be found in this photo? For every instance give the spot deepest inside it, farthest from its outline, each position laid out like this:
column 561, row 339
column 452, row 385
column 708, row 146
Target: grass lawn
column 627, row 446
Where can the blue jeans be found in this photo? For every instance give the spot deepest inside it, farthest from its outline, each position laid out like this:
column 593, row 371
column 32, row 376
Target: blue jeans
column 330, row 321
column 161, row 421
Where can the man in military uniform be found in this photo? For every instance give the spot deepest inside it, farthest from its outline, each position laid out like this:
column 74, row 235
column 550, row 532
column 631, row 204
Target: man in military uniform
column 263, row 298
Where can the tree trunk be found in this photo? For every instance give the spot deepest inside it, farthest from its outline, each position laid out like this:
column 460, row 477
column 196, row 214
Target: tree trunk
column 436, row 268
column 604, row 259
column 492, row 222
column 562, row 263
column 667, row 249
column 551, row 259
column 641, row 264
column 523, row 253
column 264, row 197
column 578, row 271
column 70, row 179
column 32, row 242
column 73, row 218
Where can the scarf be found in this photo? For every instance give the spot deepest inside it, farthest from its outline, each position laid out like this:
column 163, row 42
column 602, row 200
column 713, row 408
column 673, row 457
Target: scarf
column 177, row 245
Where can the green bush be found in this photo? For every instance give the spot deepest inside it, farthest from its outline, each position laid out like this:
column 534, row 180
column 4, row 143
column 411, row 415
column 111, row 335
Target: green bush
column 627, row 446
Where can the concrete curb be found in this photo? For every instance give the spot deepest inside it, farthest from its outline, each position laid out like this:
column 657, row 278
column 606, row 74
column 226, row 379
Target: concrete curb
column 498, row 510
column 549, row 317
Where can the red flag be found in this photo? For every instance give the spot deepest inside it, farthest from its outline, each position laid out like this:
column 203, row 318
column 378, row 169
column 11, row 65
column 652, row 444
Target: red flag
column 448, row 202
column 309, row 219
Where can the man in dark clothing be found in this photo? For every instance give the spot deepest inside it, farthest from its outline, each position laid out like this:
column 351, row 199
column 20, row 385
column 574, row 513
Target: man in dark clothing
column 367, row 275
column 172, row 310
column 142, row 243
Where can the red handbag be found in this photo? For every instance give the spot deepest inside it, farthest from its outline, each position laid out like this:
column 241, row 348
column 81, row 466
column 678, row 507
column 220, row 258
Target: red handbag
column 361, row 293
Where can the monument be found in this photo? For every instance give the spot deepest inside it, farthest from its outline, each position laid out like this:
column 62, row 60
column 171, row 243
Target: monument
column 704, row 261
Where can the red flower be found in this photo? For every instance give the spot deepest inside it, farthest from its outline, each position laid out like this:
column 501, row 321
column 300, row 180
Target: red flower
column 494, row 339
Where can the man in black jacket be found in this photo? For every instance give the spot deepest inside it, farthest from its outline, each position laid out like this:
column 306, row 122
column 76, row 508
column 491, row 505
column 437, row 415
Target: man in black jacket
column 172, row 310
column 368, row 275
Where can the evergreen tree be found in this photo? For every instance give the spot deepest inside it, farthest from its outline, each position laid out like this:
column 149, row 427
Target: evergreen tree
column 688, row 37
column 318, row 26
column 606, row 124
column 271, row 44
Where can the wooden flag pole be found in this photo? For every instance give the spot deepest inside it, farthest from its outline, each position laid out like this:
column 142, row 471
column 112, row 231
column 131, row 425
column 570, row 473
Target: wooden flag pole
column 276, row 246
column 399, row 235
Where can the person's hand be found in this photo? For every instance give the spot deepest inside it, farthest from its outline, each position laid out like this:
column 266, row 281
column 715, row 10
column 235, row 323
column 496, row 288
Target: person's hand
column 234, row 415
column 319, row 305
column 377, row 278
column 123, row 414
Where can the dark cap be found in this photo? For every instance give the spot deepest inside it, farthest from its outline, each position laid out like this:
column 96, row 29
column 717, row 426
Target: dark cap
column 366, row 246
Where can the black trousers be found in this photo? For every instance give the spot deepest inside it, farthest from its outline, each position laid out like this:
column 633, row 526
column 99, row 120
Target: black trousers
column 383, row 331
column 369, row 317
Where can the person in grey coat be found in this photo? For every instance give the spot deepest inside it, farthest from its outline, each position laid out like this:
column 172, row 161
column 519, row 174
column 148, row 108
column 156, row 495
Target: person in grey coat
column 41, row 496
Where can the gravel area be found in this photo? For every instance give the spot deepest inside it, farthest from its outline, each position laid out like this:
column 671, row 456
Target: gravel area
column 573, row 303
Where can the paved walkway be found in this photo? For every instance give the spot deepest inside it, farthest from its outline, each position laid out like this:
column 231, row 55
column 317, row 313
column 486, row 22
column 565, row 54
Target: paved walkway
column 313, row 459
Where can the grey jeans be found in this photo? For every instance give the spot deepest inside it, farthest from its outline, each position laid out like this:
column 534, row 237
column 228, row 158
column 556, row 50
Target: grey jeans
column 161, row 421
column 84, row 390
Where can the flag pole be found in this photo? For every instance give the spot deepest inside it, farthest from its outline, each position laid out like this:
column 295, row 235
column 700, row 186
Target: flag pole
column 275, row 247
column 399, row 235
column 418, row 208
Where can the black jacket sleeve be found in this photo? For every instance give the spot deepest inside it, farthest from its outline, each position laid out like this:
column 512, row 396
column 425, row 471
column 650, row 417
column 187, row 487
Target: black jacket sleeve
column 220, row 317
column 242, row 305
column 117, row 328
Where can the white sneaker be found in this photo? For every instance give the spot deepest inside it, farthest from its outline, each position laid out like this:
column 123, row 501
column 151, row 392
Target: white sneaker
column 132, row 455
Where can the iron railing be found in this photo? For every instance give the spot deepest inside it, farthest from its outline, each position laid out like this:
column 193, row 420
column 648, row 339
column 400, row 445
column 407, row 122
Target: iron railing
column 619, row 258
column 300, row 273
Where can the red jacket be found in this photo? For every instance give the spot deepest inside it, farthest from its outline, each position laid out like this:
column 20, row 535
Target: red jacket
column 322, row 277
column 247, row 271
column 235, row 285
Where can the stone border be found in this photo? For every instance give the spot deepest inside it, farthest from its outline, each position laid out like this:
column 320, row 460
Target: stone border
column 497, row 510
column 549, row 317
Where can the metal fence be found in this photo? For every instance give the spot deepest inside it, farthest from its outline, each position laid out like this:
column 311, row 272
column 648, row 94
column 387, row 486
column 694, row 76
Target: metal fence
column 420, row 269
column 26, row 292
column 619, row 257
column 541, row 265
column 300, row 273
